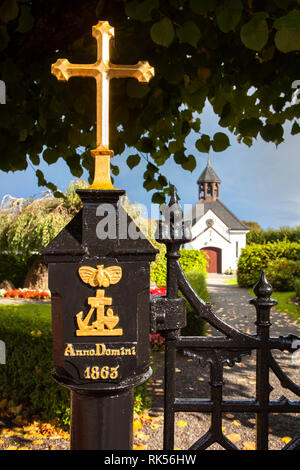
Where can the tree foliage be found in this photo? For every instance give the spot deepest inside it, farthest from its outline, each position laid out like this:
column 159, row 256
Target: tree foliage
column 240, row 55
column 257, row 235
column 28, row 225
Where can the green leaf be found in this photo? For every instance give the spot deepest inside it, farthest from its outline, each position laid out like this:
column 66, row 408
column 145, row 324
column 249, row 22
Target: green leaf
column 133, row 160
column 73, row 163
column 272, row 133
column 141, row 11
column 249, row 127
column 228, row 15
column 152, row 168
column 203, row 144
column 23, row 135
column 255, row 33
column 175, row 146
column 220, row 142
column 50, row 156
column 189, row 33
column 162, row 32
column 10, row 73
column 136, row 89
column 9, row 10
column 145, row 145
column 287, row 38
column 4, row 38
column 40, row 177
column 26, row 20
column 58, row 194
column 284, row 4
column 295, row 129
column 34, row 158
column 100, row 6
column 190, row 163
column 115, row 169
column 291, row 20
column 202, row 7
column 162, row 180
column 158, row 198
column 180, row 157
column 195, row 125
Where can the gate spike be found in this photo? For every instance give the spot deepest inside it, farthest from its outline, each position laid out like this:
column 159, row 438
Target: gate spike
column 263, row 288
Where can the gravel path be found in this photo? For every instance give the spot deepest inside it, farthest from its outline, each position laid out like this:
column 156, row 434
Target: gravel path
column 231, row 305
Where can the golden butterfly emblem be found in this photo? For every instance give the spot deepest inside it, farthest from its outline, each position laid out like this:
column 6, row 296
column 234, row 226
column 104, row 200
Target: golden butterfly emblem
column 99, row 276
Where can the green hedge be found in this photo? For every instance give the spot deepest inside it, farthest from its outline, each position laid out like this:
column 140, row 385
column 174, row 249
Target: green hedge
column 189, row 260
column 195, row 326
column 26, row 376
column 281, row 273
column 255, row 258
column 14, row 268
column 297, row 286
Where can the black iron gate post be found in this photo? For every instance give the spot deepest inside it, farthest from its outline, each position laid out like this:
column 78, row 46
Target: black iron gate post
column 100, row 315
column 173, row 232
column 263, row 304
column 226, row 349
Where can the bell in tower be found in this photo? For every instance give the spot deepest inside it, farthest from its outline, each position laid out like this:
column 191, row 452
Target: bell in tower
column 209, row 184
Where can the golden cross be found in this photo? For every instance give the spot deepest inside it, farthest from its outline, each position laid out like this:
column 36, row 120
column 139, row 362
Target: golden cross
column 102, row 70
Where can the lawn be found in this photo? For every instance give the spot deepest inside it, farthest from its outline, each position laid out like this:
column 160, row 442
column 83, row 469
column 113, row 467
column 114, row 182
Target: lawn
column 15, row 312
column 286, row 303
column 232, row 281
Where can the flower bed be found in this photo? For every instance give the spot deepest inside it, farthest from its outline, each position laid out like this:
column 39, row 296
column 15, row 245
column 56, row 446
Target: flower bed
column 158, row 291
column 25, row 294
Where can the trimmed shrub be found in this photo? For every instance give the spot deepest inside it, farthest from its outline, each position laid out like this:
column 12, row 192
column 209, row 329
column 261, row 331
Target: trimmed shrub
column 255, row 258
column 195, row 326
column 26, row 376
column 297, row 286
column 281, row 273
column 189, row 260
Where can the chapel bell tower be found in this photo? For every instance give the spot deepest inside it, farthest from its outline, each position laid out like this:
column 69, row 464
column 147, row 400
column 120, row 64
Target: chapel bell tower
column 209, row 184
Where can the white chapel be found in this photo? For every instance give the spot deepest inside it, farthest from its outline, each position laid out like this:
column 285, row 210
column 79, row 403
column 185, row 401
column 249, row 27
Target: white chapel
column 215, row 229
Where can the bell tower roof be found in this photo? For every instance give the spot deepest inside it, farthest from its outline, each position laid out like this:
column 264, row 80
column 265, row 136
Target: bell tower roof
column 209, row 184
column 208, row 175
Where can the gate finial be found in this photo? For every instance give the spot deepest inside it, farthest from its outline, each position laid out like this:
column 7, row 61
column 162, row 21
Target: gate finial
column 263, row 289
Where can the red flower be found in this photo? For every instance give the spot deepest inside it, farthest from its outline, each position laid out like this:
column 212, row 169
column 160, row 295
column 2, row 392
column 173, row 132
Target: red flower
column 158, row 291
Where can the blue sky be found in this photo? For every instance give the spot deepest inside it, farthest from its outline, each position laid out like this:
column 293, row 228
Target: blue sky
column 259, row 184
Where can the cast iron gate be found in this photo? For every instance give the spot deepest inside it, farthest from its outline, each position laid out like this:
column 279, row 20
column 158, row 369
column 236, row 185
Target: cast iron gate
column 167, row 317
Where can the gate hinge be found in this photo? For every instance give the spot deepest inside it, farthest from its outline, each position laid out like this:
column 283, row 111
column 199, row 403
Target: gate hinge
column 167, row 314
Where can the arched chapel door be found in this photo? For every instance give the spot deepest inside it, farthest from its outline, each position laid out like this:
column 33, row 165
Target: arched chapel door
column 214, row 259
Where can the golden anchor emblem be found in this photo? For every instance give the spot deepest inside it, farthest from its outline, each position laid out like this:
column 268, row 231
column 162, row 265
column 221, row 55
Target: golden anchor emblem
column 105, row 322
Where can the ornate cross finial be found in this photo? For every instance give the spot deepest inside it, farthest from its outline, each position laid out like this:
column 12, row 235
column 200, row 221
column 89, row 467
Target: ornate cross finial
column 102, row 70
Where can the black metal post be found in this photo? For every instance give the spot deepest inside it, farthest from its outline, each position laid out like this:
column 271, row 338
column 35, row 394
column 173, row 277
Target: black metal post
column 99, row 280
column 101, row 421
column 263, row 304
column 173, row 233
column 171, row 337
